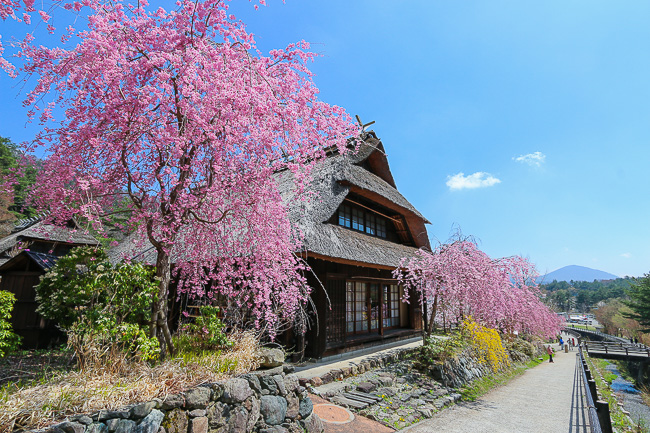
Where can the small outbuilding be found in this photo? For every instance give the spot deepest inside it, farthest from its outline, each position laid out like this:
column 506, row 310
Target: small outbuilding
column 25, row 255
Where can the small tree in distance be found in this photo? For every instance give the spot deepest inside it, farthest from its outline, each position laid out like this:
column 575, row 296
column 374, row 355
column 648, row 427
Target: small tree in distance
column 177, row 114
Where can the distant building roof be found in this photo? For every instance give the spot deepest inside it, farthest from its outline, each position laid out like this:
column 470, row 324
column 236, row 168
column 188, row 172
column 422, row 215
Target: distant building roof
column 42, row 260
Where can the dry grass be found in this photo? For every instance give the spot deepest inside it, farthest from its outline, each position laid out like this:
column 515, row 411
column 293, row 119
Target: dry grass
column 118, row 383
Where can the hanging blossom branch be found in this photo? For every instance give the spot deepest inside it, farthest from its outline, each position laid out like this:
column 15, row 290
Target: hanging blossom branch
column 458, row 280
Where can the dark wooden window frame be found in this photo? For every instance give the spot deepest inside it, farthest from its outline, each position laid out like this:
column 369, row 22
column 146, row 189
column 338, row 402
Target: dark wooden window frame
column 385, row 310
column 362, row 219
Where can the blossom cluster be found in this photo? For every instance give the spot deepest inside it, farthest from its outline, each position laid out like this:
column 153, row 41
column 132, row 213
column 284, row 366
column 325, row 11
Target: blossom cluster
column 487, row 344
column 458, row 280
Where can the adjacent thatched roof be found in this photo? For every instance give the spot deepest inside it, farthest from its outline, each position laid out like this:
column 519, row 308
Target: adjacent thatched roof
column 132, row 249
column 40, row 231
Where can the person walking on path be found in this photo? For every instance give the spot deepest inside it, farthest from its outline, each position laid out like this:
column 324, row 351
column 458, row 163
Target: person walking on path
column 549, row 350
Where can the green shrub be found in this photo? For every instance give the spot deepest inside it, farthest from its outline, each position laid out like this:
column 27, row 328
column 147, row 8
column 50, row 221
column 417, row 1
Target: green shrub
column 207, row 330
column 439, row 349
column 103, row 308
column 519, row 344
column 8, row 340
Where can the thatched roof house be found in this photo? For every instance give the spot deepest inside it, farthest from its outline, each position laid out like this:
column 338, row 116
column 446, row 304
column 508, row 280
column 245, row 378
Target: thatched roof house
column 357, row 228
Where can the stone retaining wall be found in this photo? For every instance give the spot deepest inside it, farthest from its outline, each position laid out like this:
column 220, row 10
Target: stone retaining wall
column 456, row 372
column 369, row 363
column 263, row 401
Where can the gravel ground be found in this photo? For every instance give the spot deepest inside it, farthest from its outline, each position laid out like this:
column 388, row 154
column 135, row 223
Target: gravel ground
column 537, row 401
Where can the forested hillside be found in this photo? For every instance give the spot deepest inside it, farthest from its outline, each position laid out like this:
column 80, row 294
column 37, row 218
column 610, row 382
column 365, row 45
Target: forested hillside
column 582, row 295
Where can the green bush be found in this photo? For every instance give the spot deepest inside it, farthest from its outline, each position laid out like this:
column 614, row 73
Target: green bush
column 8, row 340
column 103, row 308
column 207, row 330
column 439, row 349
column 520, row 345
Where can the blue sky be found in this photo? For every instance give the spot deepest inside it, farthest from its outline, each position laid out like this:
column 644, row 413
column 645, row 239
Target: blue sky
column 543, row 106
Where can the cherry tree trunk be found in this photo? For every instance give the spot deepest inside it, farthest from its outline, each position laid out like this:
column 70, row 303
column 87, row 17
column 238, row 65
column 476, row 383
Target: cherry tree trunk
column 159, row 328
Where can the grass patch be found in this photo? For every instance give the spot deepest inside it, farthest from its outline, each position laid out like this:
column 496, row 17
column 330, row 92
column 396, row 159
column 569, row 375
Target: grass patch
column 37, row 400
column 609, row 378
column 483, row 385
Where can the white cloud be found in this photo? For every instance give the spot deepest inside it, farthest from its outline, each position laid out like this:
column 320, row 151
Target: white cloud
column 535, row 159
column 477, row 180
column 626, row 255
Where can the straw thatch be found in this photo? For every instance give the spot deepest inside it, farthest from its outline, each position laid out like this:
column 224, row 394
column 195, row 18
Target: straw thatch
column 365, row 169
column 331, row 183
column 39, row 231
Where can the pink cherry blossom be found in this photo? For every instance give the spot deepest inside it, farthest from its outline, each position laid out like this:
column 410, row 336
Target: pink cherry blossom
column 177, row 118
column 458, row 280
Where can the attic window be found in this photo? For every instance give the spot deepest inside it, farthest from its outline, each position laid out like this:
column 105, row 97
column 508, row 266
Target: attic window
column 362, row 220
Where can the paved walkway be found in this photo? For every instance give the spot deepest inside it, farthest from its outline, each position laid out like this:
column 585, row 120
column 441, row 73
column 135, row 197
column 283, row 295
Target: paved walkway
column 540, row 400
column 547, row 398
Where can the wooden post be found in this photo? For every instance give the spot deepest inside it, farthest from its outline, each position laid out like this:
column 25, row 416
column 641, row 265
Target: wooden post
column 602, row 408
column 592, row 389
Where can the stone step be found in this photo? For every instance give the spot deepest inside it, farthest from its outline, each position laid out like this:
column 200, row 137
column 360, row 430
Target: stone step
column 333, row 388
column 365, row 395
column 348, row 402
column 358, row 398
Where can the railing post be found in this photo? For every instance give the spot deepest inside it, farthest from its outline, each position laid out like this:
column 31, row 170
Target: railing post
column 602, row 408
column 592, row 389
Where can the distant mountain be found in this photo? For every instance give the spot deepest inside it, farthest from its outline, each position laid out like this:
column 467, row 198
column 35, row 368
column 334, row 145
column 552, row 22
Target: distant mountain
column 576, row 273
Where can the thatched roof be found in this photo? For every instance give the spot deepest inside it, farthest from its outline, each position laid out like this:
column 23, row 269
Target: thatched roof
column 132, row 248
column 333, row 180
column 34, row 231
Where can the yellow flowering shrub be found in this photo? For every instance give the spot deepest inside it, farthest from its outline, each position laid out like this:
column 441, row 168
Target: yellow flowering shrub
column 487, row 344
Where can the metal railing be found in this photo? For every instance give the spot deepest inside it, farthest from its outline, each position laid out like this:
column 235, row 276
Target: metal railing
column 599, row 418
column 611, row 348
column 598, row 333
